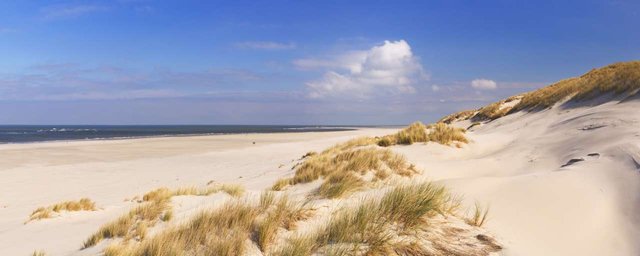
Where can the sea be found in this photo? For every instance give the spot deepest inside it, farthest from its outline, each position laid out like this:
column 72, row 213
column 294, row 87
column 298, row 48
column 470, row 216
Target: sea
column 41, row 133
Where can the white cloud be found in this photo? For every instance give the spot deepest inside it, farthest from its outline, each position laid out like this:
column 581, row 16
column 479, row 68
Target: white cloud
column 390, row 68
column 484, row 84
column 435, row 88
column 264, row 45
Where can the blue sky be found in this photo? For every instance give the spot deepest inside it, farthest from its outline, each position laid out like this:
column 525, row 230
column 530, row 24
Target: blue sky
column 293, row 62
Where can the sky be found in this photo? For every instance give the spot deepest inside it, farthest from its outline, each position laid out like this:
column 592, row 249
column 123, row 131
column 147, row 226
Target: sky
column 293, row 62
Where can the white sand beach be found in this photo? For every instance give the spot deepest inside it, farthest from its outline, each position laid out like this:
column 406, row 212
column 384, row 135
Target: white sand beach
column 514, row 164
column 108, row 172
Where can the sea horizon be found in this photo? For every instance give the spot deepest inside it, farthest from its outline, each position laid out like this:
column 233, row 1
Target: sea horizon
column 15, row 133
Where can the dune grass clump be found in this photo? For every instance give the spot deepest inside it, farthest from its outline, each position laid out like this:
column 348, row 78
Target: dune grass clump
column 409, row 203
column 130, row 224
column 281, row 184
column 39, row 253
column 416, row 132
column 479, row 216
column 462, row 115
column 340, row 183
column 84, row 204
column 391, row 224
column 223, row 231
column 298, row 245
column 370, row 227
column 492, row 111
column 365, row 229
column 156, row 208
column 445, row 134
column 164, row 193
column 284, row 214
column 344, row 171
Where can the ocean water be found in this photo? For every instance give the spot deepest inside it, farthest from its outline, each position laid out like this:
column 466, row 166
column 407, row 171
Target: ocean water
column 38, row 133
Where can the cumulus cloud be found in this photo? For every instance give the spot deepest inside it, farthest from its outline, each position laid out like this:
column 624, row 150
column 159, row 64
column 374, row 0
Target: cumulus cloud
column 390, row 68
column 484, row 84
column 264, row 45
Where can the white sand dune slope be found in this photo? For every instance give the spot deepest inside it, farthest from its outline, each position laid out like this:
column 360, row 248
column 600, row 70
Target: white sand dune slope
column 558, row 181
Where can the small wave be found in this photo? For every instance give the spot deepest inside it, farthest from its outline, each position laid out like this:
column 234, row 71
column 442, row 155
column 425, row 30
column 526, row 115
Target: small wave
column 13, row 133
column 66, row 130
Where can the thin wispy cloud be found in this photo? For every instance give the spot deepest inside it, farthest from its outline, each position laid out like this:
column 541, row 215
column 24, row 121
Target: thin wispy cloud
column 67, row 81
column 70, row 11
column 265, row 45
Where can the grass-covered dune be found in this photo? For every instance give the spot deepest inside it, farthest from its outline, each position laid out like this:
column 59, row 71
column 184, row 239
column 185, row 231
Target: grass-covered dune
column 366, row 203
column 619, row 79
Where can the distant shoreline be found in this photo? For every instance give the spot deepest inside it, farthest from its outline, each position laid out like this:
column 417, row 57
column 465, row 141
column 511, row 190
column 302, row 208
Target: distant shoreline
column 28, row 134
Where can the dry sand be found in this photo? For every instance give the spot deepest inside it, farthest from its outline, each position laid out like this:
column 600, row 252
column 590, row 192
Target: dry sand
column 109, row 172
column 538, row 207
column 515, row 164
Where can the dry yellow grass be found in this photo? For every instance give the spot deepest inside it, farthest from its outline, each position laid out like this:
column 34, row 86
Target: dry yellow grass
column 618, row 78
column 340, row 183
column 445, row 134
column 369, row 228
column 418, row 132
column 462, row 115
column 156, row 208
column 615, row 79
column 129, row 225
column 165, row 193
column 344, row 165
column 479, row 216
column 84, row 204
column 298, row 245
column 281, row 184
column 284, row 214
column 343, row 170
column 39, row 253
column 223, row 231
column 386, row 225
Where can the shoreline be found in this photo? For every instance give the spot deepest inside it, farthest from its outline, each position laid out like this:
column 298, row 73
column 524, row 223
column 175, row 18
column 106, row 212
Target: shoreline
column 286, row 130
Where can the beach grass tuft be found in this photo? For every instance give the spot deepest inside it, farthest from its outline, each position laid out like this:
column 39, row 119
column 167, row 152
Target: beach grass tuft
column 38, row 253
column 479, row 216
column 445, row 134
column 84, row 204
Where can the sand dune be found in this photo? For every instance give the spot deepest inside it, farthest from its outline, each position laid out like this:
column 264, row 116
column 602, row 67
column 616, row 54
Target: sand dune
column 539, row 207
